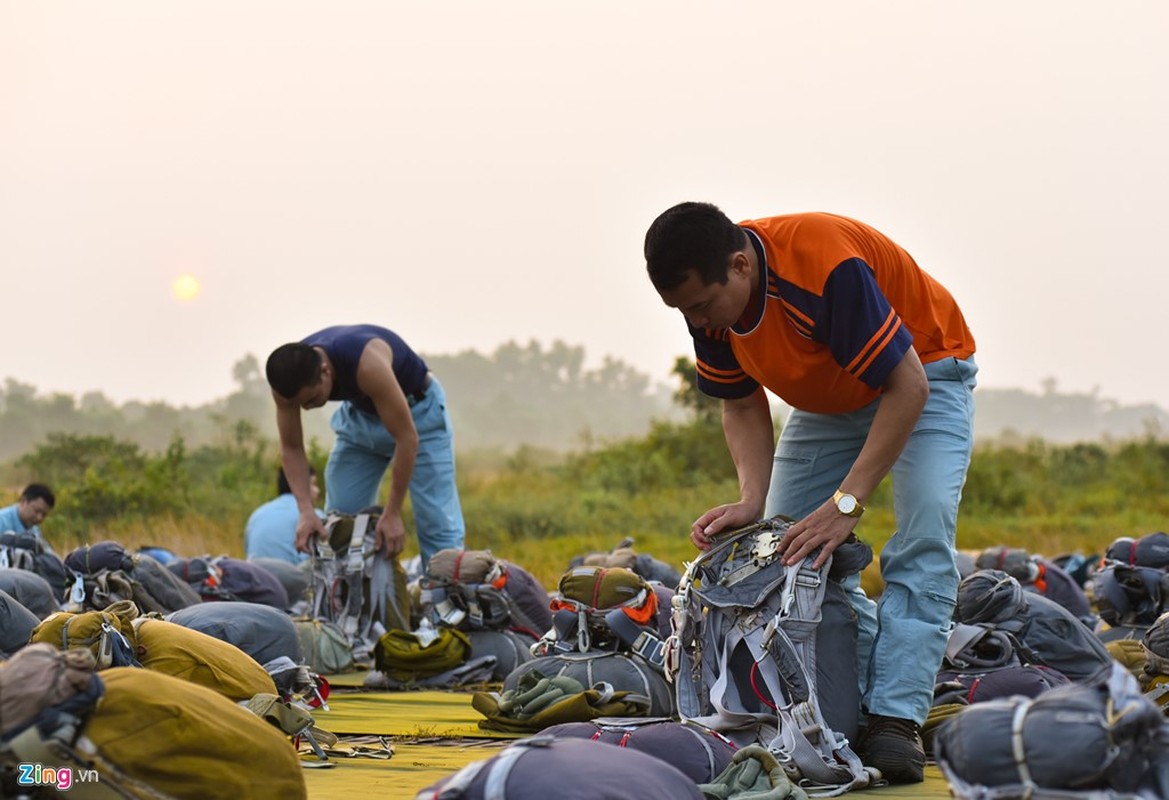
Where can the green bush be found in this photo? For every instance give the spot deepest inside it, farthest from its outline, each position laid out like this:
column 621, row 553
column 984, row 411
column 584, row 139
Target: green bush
column 540, row 510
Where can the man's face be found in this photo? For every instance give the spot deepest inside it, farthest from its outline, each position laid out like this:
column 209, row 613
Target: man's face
column 316, row 396
column 33, row 512
column 715, row 305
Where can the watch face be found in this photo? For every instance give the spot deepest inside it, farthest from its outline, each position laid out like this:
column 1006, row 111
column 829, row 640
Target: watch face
column 846, row 504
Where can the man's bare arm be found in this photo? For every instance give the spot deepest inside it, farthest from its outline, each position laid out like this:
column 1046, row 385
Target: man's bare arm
column 296, row 468
column 375, row 377
column 750, row 436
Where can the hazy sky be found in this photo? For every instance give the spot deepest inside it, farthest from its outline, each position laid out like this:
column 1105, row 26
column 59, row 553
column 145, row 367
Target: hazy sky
column 469, row 173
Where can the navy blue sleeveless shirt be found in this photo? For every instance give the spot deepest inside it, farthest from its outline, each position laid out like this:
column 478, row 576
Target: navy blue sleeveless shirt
column 344, row 345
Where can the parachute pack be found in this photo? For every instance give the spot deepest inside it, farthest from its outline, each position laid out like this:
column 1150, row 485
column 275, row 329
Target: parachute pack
column 624, row 555
column 104, row 573
column 702, row 754
column 1098, row 738
column 596, row 660
column 753, row 640
column 472, row 590
column 982, row 663
column 108, row 634
column 1131, row 584
column 606, row 609
column 230, row 579
column 1052, row 635
column 1037, row 574
column 354, row 586
column 26, row 551
column 151, row 736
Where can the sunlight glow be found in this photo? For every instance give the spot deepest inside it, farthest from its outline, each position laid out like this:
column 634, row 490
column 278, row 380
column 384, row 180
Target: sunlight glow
column 186, row 288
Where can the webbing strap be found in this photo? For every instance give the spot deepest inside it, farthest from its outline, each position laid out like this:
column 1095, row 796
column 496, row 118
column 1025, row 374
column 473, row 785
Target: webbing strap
column 637, row 638
column 498, row 770
column 496, row 786
column 1018, row 750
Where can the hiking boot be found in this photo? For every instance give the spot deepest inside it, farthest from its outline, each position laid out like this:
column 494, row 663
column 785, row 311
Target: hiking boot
column 893, row 746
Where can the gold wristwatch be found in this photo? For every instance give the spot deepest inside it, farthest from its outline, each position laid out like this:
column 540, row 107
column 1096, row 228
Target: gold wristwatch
column 847, row 504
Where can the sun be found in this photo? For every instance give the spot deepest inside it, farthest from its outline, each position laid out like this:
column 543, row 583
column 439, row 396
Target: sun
column 186, row 288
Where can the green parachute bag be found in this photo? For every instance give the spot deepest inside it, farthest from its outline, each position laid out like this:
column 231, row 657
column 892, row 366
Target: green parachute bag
column 408, row 656
column 539, row 701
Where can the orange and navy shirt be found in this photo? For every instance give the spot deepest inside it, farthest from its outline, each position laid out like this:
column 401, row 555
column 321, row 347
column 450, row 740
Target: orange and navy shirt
column 843, row 304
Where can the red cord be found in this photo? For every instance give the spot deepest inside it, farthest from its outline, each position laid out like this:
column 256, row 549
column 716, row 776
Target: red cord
column 755, row 688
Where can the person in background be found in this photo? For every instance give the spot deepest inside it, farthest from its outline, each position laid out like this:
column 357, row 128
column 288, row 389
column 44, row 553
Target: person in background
column 26, row 515
column 392, row 416
column 876, row 360
column 271, row 529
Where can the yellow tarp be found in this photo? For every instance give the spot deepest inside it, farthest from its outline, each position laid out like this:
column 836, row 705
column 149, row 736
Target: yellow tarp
column 429, row 714
column 436, row 733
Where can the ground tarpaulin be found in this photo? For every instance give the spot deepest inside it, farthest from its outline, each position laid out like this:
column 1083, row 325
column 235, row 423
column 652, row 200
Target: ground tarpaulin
column 435, row 733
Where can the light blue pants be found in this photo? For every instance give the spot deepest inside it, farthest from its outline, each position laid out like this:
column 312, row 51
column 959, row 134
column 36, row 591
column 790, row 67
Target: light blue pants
column 363, row 451
column 903, row 636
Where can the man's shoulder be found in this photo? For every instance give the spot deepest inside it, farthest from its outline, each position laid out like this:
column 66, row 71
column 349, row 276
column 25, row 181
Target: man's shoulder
column 344, row 333
column 276, row 504
column 10, row 518
column 803, row 225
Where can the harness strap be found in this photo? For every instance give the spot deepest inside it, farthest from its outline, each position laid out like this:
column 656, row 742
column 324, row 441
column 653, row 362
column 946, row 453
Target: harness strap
column 639, row 639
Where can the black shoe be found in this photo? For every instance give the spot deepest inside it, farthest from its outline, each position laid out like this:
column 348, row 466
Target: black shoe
column 893, row 746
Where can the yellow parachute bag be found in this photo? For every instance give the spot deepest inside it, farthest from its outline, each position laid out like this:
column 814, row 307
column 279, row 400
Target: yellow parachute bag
column 108, row 634
column 194, row 656
column 187, row 741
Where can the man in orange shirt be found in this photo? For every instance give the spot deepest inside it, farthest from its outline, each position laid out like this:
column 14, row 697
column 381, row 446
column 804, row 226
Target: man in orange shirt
column 876, row 360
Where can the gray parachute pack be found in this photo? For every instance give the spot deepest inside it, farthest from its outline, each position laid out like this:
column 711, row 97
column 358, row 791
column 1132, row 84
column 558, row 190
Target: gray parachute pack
column 748, row 655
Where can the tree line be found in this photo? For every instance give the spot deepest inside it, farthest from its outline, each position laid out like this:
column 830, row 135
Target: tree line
column 539, row 397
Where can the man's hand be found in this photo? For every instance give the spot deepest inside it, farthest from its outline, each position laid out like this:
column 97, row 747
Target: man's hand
column 308, row 527
column 721, row 518
column 391, row 534
column 825, row 527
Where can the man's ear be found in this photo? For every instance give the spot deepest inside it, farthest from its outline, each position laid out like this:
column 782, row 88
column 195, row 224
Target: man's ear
column 740, row 264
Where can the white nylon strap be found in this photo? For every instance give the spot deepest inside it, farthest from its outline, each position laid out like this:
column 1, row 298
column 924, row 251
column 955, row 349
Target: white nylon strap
column 1017, row 749
column 496, row 786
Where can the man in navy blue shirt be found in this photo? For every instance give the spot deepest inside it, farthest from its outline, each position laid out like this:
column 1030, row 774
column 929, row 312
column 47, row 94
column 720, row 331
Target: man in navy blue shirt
column 392, row 416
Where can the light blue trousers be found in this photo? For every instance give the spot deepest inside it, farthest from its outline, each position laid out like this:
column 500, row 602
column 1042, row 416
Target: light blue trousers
column 902, row 637
column 363, row 451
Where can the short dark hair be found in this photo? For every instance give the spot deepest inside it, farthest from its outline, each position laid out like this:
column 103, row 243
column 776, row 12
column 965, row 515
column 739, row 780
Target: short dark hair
column 38, row 491
column 691, row 236
column 292, row 367
column 282, row 486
